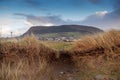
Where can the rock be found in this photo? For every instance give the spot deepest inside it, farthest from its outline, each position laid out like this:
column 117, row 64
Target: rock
column 62, row 72
column 99, row 77
column 73, row 78
column 103, row 77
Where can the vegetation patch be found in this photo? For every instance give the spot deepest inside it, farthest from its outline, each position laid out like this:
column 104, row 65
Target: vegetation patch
column 93, row 57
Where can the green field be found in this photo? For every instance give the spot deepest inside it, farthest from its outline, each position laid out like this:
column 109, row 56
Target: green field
column 58, row 45
column 64, row 34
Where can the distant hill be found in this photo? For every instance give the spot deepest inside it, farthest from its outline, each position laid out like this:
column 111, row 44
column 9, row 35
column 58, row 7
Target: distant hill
column 62, row 31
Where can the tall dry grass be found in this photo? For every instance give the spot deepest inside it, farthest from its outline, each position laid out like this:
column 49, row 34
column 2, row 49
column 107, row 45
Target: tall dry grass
column 98, row 55
column 25, row 59
column 29, row 59
column 104, row 43
column 28, row 47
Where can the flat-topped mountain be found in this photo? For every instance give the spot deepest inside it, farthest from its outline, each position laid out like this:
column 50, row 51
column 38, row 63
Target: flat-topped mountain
column 62, row 31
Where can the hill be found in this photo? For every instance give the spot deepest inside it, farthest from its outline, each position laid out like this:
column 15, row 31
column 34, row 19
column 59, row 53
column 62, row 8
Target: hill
column 75, row 31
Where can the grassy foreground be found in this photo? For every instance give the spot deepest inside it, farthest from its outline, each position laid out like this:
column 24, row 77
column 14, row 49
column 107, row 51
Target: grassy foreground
column 93, row 57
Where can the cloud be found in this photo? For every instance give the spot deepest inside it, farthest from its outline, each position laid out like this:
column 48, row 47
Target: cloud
column 6, row 31
column 96, row 17
column 108, row 20
column 101, row 13
column 41, row 20
column 101, row 19
column 104, row 20
column 8, row 25
column 33, row 20
column 5, row 21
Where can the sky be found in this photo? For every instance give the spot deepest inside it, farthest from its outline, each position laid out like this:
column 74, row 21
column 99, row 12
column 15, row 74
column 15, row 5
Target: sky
column 18, row 16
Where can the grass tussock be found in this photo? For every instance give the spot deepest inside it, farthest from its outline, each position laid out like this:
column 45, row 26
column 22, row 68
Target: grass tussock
column 28, row 48
column 25, row 59
column 98, row 55
column 103, row 43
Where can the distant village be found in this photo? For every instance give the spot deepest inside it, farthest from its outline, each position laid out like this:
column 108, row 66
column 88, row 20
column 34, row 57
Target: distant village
column 66, row 39
column 62, row 38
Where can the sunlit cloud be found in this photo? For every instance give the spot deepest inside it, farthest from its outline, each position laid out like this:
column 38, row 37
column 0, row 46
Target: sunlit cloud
column 101, row 13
